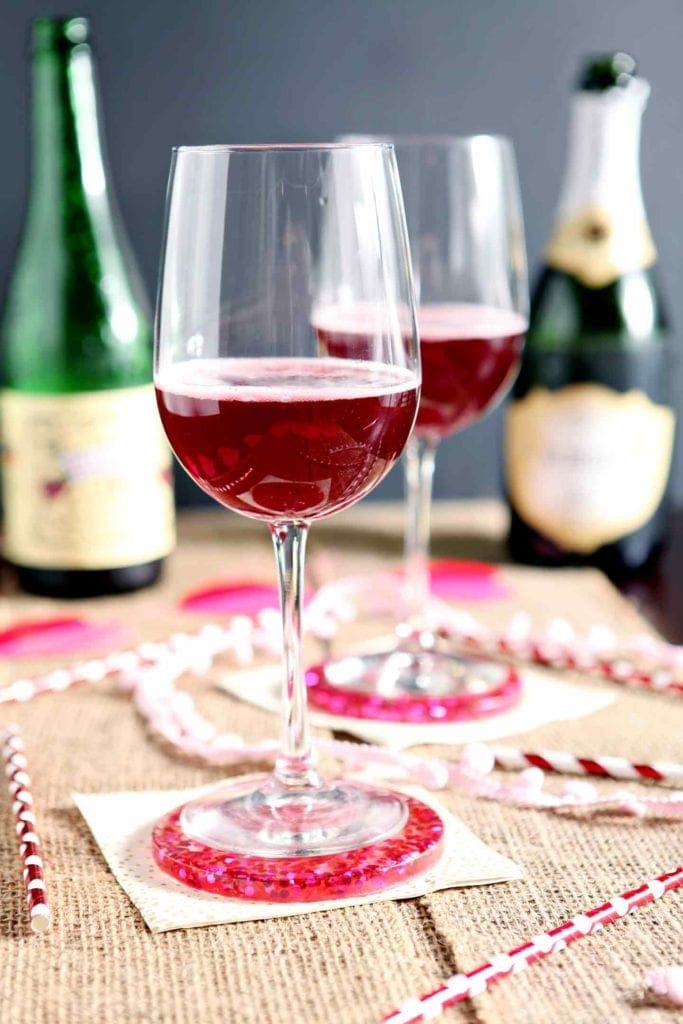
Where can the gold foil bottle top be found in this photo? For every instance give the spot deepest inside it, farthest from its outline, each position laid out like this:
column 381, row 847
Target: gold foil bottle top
column 606, row 71
column 596, row 247
column 58, row 33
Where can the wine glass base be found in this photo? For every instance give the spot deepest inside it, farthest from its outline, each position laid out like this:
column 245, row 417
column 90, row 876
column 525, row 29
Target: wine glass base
column 268, row 819
column 415, row 685
column 341, row 869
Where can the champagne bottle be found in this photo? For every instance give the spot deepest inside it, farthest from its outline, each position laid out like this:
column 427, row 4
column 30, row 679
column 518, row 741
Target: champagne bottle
column 87, row 489
column 589, row 432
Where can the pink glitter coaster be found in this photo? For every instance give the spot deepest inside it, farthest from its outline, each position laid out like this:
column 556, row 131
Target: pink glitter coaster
column 413, row 708
column 413, row 850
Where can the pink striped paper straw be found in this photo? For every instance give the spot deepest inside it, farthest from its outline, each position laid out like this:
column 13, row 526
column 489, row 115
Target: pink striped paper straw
column 463, row 986
column 19, row 784
column 605, row 766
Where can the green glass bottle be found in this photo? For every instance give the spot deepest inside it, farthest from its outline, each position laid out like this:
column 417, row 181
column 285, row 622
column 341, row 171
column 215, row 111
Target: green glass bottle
column 589, row 432
column 87, row 489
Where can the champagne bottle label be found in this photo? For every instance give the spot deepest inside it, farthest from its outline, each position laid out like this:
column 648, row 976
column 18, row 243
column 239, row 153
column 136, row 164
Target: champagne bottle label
column 594, row 247
column 587, row 465
column 86, row 479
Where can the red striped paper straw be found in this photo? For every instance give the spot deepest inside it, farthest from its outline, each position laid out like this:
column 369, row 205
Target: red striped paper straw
column 463, row 986
column 605, row 766
column 616, row 669
column 19, row 784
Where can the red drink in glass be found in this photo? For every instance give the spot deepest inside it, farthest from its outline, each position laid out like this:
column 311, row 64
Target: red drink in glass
column 286, row 439
column 470, row 354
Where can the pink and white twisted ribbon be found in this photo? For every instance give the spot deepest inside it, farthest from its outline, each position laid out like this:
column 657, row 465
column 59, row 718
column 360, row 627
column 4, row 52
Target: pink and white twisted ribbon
column 150, row 672
column 172, row 716
column 640, row 660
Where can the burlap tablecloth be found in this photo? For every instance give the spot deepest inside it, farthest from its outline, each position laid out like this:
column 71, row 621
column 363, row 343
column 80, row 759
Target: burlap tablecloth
column 100, row 965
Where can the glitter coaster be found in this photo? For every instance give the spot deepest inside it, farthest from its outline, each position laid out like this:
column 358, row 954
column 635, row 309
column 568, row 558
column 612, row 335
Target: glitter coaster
column 414, row 849
column 415, row 708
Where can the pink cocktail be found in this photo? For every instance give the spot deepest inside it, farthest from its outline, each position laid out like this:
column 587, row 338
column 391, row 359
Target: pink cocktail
column 277, row 430
column 286, row 438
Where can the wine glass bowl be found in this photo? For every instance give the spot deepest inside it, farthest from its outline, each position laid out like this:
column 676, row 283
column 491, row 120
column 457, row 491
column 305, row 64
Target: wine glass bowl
column 263, row 244
column 286, row 438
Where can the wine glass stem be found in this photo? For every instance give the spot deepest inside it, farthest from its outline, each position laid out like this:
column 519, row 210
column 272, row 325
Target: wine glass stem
column 418, row 462
column 294, row 765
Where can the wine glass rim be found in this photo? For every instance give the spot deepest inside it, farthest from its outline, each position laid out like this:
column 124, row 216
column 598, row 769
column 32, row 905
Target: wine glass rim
column 277, row 147
column 433, row 139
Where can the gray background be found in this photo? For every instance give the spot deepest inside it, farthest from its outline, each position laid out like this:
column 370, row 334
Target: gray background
column 272, row 70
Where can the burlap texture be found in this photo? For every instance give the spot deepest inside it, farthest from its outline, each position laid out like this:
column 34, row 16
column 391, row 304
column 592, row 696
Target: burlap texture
column 100, row 965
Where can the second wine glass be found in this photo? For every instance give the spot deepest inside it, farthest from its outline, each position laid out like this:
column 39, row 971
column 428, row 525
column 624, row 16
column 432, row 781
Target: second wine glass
column 467, row 245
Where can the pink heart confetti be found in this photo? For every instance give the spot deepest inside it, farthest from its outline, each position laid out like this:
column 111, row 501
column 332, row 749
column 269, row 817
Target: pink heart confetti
column 458, row 580
column 241, row 597
column 37, row 638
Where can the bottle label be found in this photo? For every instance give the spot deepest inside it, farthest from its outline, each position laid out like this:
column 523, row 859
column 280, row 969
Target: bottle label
column 597, row 248
column 86, row 479
column 587, row 465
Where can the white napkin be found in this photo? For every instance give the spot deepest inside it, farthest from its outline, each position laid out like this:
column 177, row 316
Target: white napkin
column 122, row 825
column 545, row 698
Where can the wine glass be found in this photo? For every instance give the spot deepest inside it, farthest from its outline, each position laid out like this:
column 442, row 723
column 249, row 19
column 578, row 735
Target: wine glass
column 275, row 428
column 467, row 245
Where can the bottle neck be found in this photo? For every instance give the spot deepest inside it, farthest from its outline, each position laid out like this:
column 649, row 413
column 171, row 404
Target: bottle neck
column 603, row 165
column 66, row 143
column 601, row 231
